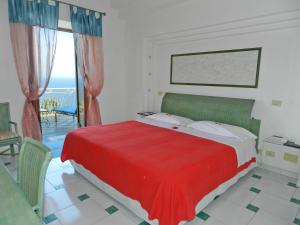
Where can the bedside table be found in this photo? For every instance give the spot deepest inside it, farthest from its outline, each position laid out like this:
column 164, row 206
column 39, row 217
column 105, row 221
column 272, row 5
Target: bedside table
column 276, row 153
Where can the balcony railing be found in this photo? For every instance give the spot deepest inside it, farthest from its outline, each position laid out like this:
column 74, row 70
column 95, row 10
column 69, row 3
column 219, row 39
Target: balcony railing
column 58, row 97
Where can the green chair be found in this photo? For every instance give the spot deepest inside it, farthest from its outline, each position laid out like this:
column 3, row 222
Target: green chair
column 8, row 137
column 33, row 162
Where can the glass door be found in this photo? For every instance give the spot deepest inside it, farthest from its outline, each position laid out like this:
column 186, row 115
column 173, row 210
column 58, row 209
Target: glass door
column 80, row 98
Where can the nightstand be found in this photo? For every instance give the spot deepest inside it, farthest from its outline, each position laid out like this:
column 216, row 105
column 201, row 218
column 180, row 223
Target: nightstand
column 277, row 154
column 144, row 114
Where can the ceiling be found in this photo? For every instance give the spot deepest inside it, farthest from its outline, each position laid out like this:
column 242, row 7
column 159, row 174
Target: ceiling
column 128, row 5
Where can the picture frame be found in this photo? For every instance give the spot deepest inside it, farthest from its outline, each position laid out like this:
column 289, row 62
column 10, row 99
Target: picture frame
column 225, row 68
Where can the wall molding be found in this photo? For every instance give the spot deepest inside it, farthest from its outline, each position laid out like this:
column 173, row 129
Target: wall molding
column 246, row 26
column 263, row 23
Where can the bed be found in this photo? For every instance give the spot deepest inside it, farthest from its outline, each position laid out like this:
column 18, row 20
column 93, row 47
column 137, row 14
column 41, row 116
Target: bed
column 163, row 173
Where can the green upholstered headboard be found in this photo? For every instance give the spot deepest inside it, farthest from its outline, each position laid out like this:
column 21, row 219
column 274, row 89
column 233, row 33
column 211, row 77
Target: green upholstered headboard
column 233, row 111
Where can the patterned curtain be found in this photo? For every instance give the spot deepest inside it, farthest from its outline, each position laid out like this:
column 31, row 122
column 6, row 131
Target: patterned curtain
column 87, row 29
column 33, row 30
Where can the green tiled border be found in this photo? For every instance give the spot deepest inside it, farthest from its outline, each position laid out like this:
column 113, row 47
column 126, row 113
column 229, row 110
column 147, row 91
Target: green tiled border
column 203, row 215
column 112, row 209
column 252, row 208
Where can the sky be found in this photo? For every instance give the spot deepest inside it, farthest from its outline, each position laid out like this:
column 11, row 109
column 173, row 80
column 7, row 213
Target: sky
column 64, row 63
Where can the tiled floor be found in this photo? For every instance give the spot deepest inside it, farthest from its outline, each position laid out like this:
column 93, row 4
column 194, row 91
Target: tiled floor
column 261, row 198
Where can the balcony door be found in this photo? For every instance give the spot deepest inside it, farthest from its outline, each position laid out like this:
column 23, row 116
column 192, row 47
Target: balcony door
column 61, row 108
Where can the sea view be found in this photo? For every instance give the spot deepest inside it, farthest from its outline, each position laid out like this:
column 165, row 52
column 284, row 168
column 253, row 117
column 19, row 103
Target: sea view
column 61, row 90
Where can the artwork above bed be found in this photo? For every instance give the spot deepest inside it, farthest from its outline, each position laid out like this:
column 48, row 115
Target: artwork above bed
column 231, row 68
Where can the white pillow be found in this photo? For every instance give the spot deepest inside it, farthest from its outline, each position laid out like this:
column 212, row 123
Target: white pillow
column 211, row 127
column 240, row 132
column 222, row 129
column 169, row 118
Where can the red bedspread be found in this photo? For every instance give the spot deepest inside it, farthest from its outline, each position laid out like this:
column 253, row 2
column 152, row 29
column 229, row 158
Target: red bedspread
column 168, row 172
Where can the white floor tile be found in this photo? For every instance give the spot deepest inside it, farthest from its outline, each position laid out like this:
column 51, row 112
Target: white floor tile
column 58, row 200
column 274, row 176
column 115, row 219
column 238, row 195
column 56, row 222
column 229, row 213
column 63, row 176
column 247, row 182
column 276, row 206
column 65, row 164
column 279, row 189
column 297, row 194
column 53, row 167
column 79, row 187
column 213, row 221
column 101, row 198
column 265, row 218
column 83, row 213
column 48, row 187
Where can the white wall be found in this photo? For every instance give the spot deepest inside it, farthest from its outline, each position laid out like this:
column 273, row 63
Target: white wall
column 218, row 25
column 113, row 97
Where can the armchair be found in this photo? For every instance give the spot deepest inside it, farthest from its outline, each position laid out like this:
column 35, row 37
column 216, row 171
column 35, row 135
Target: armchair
column 8, row 136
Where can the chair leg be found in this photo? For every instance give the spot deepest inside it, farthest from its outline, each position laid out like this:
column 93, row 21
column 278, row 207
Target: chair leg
column 12, row 150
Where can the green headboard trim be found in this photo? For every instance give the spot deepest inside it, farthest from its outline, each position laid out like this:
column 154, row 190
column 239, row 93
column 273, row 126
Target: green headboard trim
column 234, row 111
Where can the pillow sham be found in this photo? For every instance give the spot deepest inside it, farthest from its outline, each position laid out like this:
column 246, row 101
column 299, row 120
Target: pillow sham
column 222, row 129
column 211, row 127
column 169, row 118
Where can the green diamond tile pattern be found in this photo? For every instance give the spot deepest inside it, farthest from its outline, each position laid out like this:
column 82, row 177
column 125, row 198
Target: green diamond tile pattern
column 83, row 197
column 295, row 200
column 255, row 190
column 252, row 208
column 256, row 176
column 297, row 221
column 144, row 223
column 203, row 215
column 292, row 185
column 112, row 209
column 49, row 219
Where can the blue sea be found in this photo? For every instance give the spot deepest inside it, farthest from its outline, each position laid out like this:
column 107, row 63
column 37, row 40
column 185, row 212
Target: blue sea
column 62, row 83
column 61, row 89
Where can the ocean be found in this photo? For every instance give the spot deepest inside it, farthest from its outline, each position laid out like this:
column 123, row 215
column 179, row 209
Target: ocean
column 61, row 91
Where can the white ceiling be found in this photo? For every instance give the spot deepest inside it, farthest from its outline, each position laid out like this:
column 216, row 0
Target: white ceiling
column 142, row 4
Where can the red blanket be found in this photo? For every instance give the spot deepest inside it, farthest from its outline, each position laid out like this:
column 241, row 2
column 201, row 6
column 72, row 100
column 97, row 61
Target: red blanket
column 168, row 172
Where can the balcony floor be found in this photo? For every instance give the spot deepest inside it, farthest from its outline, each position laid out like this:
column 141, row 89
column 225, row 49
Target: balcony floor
column 54, row 133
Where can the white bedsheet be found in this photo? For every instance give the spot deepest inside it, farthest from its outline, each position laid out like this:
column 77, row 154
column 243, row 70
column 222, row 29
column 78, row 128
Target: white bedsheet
column 245, row 148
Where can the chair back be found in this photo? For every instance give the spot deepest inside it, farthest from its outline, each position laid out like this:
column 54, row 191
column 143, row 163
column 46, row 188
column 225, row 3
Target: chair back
column 32, row 167
column 4, row 117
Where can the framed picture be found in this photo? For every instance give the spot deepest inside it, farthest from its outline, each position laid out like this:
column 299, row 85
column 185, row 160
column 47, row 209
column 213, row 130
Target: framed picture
column 227, row 68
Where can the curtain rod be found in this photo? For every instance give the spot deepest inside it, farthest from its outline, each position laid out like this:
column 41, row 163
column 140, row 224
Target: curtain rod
column 102, row 13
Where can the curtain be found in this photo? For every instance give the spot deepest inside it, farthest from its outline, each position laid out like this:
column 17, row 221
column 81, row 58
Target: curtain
column 87, row 29
column 33, row 31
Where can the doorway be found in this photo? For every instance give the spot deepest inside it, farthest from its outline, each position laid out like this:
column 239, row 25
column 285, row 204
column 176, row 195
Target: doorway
column 62, row 104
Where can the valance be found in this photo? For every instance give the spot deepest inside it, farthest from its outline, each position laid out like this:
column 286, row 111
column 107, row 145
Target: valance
column 42, row 13
column 85, row 21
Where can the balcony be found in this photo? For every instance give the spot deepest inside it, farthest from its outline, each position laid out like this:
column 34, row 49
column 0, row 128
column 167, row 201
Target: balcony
column 56, row 120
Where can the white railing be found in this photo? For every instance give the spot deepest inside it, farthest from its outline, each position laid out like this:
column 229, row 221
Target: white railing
column 64, row 96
